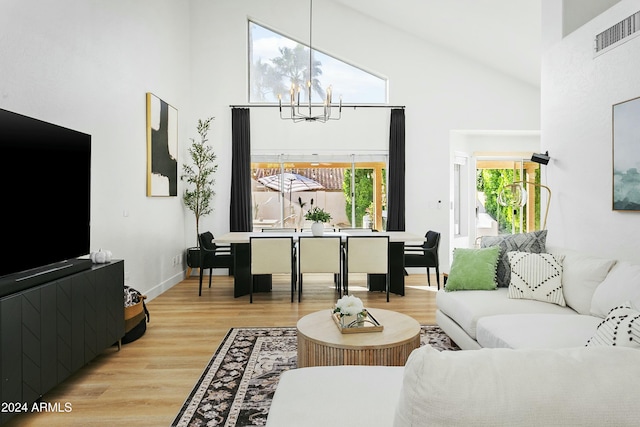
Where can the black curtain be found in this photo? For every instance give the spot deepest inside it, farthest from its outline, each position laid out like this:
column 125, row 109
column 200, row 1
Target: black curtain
column 395, row 208
column 240, row 208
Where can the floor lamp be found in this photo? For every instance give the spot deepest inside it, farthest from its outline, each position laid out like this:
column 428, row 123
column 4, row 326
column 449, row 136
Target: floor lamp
column 515, row 196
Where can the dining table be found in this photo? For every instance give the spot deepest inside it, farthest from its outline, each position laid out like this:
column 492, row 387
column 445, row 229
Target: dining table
column 241, row 250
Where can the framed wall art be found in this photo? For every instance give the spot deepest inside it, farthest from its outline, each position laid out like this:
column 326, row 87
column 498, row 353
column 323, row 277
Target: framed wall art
column 626, row 155
column 162, row 148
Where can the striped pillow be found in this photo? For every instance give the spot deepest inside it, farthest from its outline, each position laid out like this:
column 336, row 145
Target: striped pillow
column 536, row 276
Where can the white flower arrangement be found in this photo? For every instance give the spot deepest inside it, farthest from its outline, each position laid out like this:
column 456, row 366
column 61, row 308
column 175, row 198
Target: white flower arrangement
column 349, row 305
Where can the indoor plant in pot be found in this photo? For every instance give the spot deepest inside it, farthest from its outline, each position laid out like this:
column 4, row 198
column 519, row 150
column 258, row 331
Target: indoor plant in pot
column 319, row 216
column 198, row 175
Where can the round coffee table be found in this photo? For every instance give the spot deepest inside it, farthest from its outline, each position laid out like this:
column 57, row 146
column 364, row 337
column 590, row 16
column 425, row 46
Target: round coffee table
column 320, row 342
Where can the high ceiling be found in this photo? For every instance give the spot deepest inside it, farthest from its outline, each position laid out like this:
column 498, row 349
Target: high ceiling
column 503, row 34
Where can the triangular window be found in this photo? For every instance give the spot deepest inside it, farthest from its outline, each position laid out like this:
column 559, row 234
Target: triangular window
column 276, row 62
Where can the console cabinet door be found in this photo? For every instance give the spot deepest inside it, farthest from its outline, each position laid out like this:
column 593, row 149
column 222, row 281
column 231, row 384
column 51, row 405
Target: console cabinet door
column 11, row 352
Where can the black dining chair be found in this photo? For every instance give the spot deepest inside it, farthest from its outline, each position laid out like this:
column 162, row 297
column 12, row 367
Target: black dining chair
column 425, row 255
column 212, row 256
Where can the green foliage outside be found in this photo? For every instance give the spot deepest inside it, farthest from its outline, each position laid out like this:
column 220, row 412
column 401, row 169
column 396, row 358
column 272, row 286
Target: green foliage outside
column 490, row 182
column 292, row 67
column 363, row 192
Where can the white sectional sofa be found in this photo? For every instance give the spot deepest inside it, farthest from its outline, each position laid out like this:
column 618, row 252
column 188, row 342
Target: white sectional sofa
column 591, row 285
column 530, row 364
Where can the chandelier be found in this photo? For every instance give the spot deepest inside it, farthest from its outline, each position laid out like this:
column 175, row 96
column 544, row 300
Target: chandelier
column 305, row 111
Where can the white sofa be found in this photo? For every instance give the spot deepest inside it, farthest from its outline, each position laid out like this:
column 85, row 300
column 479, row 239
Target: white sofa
column 591, row 285
column 583, row 386
column 530, row 366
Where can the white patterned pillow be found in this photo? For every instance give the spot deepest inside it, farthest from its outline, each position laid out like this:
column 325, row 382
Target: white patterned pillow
column 621, row 328
column 536, row 276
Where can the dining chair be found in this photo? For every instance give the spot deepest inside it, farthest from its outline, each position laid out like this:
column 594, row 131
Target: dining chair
column 319, row 255
column 272, row 255
column 212, row 256
column 366, row 254
column 425, row 255
column 279, row 230
column 308, row 229
column 356, row 230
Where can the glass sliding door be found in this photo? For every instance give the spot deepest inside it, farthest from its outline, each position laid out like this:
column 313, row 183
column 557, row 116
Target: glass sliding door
column 496, row 215
column 351, row 188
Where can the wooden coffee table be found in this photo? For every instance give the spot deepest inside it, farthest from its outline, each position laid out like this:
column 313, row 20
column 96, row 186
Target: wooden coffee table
column 320, row 342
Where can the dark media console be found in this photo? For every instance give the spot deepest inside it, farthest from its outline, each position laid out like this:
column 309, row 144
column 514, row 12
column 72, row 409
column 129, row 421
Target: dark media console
column 37, row 276
column 50, row 330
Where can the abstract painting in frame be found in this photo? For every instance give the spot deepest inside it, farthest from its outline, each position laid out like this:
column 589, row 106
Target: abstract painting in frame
column 162, row 148
column 626, row 155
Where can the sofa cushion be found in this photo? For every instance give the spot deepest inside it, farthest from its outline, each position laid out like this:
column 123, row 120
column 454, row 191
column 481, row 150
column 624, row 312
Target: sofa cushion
column 336, row 395
column 466, row 307
column 473, row 269
column 581, row 386
column 621, row 284
column 621, row 328
column 581, row 275
column 535, row 330
column 534, row 242
column 536, row 276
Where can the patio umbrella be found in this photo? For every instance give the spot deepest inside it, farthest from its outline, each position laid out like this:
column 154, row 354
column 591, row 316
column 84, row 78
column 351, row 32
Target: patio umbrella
column 292, row 182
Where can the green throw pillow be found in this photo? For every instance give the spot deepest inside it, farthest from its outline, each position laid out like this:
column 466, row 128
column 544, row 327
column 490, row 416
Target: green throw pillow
column 473, row 269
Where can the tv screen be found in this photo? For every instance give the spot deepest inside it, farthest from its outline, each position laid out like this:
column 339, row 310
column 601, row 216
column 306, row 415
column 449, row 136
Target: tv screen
column 45, row 171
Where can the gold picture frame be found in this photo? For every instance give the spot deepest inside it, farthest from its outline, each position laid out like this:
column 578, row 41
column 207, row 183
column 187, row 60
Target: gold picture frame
column 162, row 148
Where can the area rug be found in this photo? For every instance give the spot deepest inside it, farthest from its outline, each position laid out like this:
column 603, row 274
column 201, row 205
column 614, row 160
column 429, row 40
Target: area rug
column 238, row 384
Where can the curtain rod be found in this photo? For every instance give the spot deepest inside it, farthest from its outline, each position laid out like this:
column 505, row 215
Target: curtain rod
column 354, row 106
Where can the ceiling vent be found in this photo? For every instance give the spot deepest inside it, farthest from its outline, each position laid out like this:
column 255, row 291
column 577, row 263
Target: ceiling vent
column 621, row 32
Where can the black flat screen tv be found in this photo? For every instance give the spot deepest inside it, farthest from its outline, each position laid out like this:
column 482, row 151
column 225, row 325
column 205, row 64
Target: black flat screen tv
column 45, row 171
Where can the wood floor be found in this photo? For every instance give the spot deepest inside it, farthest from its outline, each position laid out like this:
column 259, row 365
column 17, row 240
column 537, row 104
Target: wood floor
column 146, row 383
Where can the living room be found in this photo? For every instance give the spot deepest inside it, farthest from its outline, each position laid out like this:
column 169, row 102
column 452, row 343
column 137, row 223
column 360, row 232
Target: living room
column 88, row 65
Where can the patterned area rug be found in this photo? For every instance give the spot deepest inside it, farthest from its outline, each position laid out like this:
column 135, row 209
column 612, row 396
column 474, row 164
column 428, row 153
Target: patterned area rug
column 237, row 385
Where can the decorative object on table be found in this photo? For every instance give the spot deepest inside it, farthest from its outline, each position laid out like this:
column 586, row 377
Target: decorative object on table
column 199, row 178
column 162, row 148
column 100, row 256
column 319, row 216
column 260, row 356
column 351, row 316
column 626, row 154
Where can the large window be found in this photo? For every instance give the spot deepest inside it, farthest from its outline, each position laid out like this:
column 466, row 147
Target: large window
column 352, row 190
column 277, row 62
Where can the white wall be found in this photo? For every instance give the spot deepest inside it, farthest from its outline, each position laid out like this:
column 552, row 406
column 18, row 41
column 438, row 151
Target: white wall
column 578, row 92
column 87, row 65
column 441, row 92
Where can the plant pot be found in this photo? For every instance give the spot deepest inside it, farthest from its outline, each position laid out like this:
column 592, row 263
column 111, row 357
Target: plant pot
column 193, row 257
column 317, row 229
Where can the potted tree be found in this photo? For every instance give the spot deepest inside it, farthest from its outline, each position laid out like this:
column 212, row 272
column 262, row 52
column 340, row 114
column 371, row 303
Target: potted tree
column 319, row 216
column 199, row 178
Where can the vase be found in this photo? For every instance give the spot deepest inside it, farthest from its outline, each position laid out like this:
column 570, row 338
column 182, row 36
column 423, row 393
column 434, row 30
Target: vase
column 352, row 321
column 346, row 321
column 317, row 229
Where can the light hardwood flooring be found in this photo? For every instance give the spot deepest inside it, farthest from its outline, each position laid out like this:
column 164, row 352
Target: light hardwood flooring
column 146, row 383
